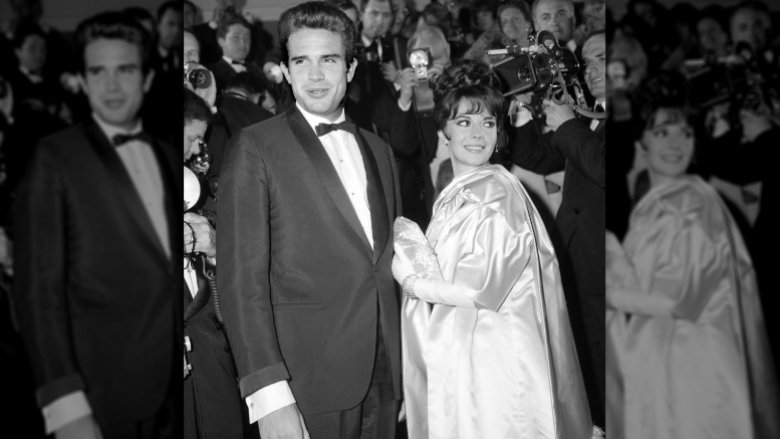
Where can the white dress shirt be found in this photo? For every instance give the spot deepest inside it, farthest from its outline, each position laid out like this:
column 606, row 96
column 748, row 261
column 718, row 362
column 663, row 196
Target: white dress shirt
column 238, row 68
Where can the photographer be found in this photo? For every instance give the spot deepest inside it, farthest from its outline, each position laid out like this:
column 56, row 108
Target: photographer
column 212, row 405
column 577, row 147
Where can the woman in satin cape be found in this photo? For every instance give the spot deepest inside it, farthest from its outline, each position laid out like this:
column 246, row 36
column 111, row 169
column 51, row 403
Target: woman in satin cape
column 687, row 352
column 487, row 346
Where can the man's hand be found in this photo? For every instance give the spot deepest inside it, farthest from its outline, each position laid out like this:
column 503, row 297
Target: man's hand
column 407, row 80
column 389, row 72
column 285, row 423
column 81, row 428
column 556, row 114
column 754, row 124
column 205, row 237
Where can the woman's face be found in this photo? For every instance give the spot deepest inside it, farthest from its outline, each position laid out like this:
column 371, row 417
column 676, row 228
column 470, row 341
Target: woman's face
column 712, row 37
column 471, row 137
column 514, row 25
column 667, row 146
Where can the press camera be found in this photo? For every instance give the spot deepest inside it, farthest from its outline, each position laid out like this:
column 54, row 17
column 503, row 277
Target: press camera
column 741, row 79
column 545, row 69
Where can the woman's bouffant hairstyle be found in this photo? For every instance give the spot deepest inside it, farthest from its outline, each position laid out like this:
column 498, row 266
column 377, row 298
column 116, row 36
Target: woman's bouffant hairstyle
column 665, row 91
column 472, row 82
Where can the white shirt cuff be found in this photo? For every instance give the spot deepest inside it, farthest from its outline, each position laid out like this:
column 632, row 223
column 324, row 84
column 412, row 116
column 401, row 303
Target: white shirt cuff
column 406, row 107
column 65, row 410
column 269, row 399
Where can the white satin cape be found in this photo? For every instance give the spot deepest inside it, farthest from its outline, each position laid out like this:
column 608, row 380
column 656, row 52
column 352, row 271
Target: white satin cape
column 506, row 368
column 693, row 359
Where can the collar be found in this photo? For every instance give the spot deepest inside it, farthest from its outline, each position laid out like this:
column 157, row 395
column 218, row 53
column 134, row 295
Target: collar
column 111, row 130
column 313, row 119
column 602, row 102
column 33, row 76
column 367, row 42
column 230, row 61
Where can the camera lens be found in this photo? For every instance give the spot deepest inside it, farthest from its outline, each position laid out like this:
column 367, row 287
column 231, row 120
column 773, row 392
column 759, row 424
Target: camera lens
column 199, row 78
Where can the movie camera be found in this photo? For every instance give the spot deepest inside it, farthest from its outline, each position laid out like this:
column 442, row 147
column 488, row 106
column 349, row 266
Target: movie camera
column 545, row 69
column 198, row 77
column 742, row 79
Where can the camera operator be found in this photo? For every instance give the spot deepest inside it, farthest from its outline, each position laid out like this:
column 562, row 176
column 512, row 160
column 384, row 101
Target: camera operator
column 577, row 147
column 211, row 403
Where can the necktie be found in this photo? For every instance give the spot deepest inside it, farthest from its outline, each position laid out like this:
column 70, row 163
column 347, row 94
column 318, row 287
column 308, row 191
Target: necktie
column 325, row 128
column 372, row 52
column 120, row 139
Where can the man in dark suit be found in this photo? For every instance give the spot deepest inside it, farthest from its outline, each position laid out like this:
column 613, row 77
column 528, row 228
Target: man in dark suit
column 577, row 147
column 305, row 211
column 235, row 38
column 96, row 223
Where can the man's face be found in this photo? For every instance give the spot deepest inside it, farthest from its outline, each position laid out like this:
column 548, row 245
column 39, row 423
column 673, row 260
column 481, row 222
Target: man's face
column 750, row 27
column 189, row 15
column 237, row 42
column 194, row 130
column 169, row 29
column 32, row 53
column 318, row 71
column 114, row 81
column 377, row 18
column 711, row 35
column 191, row 48
column 555, row 16
column 593, row 52
column 594, row 14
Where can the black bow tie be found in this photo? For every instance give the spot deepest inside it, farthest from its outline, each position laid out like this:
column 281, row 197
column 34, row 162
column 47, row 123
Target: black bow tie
column 325, row 128
column 241, row 63
column 121, row 139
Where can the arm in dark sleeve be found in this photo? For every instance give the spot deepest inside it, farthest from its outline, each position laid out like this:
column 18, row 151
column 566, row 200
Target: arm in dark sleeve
column 534, row 151
column 40, row 264
column 583, row 148
column 243, row 252
column 395, row 126
column 727, row 158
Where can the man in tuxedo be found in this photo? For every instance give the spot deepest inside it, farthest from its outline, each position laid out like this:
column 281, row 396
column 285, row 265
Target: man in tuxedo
column 305, row 211
column 577, row 147
column 235, row 38
column 96, row 223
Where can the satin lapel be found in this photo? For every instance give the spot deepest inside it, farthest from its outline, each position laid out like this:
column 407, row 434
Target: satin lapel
column 376, row 197
column 126, row 195
column 316, row 152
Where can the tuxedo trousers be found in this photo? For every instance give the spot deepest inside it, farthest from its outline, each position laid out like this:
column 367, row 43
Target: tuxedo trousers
column 376, row 415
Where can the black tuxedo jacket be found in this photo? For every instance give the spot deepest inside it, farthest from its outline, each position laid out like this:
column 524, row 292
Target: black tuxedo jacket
column 223, row 72
column 95, row 290
column 304, row 293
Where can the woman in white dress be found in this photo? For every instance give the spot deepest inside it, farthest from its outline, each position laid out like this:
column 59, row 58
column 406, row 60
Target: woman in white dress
column 687, row 354
column 488, row 350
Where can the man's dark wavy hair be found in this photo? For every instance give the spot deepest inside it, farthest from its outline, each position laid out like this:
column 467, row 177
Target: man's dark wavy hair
column 195, row 108
column 114, row 26
column 472, row 82
column 317, row 15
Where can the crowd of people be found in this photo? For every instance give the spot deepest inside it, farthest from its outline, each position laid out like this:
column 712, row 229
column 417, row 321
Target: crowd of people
column 384, row 235
column 694, row 112
column 316, row 145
